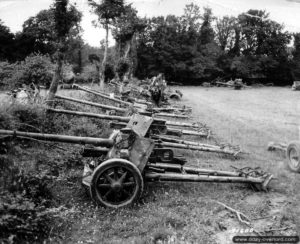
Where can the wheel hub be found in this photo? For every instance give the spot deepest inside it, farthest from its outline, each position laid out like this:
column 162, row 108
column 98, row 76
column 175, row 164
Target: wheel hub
column 116, row 187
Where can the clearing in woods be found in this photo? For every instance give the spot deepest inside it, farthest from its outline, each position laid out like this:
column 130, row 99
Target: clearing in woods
column 188, row 213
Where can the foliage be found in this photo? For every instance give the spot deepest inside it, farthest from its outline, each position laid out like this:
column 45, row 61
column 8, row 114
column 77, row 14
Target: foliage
column 40, row 31
column 21, row 220
column 173, row 46
column 35, row 118
column 125, row 27
column 122, row 68
column 127, row 24
column 6, row 40
column 296, row 57
column 89, row 73
column 36, row 69
column 28, row 204
column 6, row 71
column 107, row 11
column 191, row 48
column 188, row 49
column 24, row 198
column 66, row 17
column 109, row 72
column 206, row 31
column 48, row 26
column 225, row 32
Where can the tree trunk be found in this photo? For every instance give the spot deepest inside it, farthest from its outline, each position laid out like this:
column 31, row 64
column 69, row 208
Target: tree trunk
column 127, row 50
column 56, row 78
column 79, row 60
column 134, row 59
column 126, row 53
column 102, row 75
column 97, row 78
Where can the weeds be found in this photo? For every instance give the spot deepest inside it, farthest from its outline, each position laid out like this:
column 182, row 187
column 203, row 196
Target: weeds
column 29, row 170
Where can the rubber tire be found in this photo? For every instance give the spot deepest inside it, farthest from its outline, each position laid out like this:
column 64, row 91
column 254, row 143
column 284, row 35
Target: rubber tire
column 294, row 145
column 117, row 163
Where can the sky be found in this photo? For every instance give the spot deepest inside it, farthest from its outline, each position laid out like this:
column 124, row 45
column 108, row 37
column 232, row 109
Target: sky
column 14, row 12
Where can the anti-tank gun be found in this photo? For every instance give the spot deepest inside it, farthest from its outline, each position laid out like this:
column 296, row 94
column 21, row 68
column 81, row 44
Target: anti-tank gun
column 118, row 179
column 128, row 158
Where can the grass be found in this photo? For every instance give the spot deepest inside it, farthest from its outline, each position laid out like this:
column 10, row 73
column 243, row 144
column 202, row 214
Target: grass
column 186, row 212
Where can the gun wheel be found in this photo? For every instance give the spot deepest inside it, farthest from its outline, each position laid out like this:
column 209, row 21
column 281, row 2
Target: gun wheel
column 293, row 155
column 116, row 183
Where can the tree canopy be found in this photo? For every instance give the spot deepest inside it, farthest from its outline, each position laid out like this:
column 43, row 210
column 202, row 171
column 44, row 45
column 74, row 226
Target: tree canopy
column 191, row 49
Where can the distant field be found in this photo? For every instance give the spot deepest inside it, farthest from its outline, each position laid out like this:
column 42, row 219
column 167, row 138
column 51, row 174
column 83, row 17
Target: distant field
column 275, row 112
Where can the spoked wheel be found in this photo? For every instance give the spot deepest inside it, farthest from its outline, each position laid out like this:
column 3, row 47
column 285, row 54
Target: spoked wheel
column 293, row 155
column 116, row 183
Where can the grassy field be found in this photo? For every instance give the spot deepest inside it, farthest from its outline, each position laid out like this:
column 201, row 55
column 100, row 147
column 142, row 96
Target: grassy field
column 188, row 213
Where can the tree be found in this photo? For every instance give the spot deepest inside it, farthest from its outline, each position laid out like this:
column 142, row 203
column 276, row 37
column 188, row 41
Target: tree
column 73, row 53
column 36, row 69
column 206, row 31
column 65, row 18
column 172, row 46
column 95, row 60
column 107, row 11
column 125, row 29
column 39, row 35
column 225, row 32
column 265, row 42
column 192, row 18
column 296, row 56
column 6, row 43
column 40, row 31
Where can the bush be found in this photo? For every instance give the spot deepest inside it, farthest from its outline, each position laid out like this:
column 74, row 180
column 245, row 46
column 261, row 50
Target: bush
column 29, row 193
column 109, row 72
column 23, row 198
column 24, row 117
column 89, row 73
column 21, row 221
column 6, row 71
column 76, row 69
column 122, row 68
column 68, row 74
column 36, row 69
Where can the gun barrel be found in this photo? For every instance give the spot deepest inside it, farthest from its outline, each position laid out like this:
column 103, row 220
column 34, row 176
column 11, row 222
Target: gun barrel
column 106, row 107
column 202, row 178
column 102, row 95
column 180, row 124
column 61, row 138
column 172, row 115
column 197, row 148
column 91, row 115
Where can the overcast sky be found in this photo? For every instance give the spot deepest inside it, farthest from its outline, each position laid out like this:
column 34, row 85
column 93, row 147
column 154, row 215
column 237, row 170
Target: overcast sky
column 14, row 12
